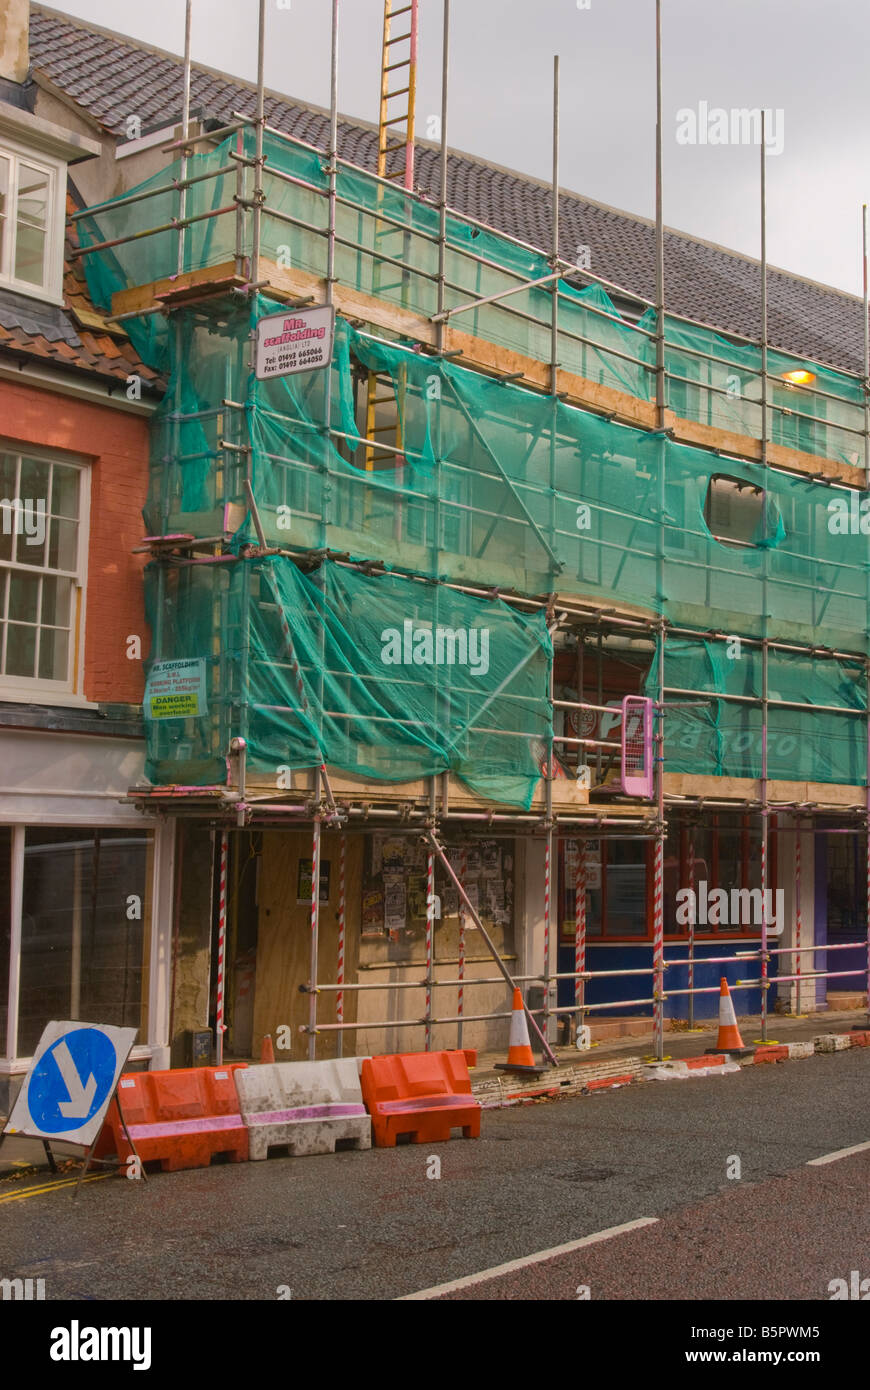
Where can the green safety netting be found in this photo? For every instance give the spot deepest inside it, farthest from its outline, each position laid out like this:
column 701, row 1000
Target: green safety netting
column 485, row 483
column 717, row 382
column 380, row 677
column 711, row 379
column 726, row 736
column 494, row 485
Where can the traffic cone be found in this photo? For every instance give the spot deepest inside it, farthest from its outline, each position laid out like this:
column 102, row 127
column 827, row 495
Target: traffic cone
column 520, row 1055
column 729, row 1039
column 267, row 1051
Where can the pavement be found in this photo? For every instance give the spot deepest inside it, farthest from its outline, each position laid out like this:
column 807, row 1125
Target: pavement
column 18, row 1156
column 717, row 1166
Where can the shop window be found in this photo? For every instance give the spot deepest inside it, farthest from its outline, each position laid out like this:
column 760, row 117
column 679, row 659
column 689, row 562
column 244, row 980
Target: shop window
column 846, row 891
column 616, row 889
column 84, row 929
column 43, row 506
column 722, row 853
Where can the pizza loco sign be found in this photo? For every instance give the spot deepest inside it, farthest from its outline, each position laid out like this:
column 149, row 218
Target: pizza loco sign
column 297, row 341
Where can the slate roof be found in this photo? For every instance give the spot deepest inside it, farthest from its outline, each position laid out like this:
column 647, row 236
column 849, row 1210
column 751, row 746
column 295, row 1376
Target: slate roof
column 74, row 336
column 109, row 75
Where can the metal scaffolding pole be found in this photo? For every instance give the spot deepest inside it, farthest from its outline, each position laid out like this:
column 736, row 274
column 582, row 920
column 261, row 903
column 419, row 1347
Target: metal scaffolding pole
column 579, row 929
column 342, row 926
column 430, row 927
column 219, row 1027
column 333, row 155
column 259, row 195
column 798, row 915
column 867, row 780
column 442, row 199
column 866, row 339
column 692, row 914
column 658, row 869
column 314, row 943
column 554, row 327
column 460, row 972
column 185, row 129
column 765, row 984
column 660, row 235
column 866, row 336
column 475, row 917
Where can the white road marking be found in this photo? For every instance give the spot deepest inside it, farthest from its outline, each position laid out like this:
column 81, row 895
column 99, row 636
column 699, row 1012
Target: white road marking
column 498, row 1270
column 838, row 1153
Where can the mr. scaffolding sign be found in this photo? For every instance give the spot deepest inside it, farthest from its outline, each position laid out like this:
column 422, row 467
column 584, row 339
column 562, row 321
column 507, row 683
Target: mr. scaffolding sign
column 299, row 340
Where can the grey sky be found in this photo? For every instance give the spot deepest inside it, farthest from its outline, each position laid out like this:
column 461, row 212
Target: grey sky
column 805, row 57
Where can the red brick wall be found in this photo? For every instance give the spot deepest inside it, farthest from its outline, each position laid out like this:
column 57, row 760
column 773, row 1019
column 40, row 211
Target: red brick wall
column 115, row 444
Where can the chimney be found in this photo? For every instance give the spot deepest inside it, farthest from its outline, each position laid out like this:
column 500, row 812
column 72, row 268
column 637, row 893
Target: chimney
column 15, row 53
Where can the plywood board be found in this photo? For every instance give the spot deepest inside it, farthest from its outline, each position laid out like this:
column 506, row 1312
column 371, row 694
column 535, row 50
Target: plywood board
column 284, row 941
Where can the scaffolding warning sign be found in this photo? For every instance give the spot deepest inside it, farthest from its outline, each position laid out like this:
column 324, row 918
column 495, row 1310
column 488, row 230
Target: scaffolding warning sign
column 176, row 690
column 299, row 340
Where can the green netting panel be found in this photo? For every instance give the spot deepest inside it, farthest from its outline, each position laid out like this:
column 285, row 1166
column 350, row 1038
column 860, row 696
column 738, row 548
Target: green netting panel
column 711, row 380
column 726, row 737
column 494, row 485
column 717, row 382
column 400, row 680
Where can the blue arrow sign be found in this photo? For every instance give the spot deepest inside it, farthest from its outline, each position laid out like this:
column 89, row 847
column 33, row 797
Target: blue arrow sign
column 72, row 1080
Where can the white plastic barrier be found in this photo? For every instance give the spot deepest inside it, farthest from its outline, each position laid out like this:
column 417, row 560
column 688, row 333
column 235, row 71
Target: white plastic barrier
column 309, row 1107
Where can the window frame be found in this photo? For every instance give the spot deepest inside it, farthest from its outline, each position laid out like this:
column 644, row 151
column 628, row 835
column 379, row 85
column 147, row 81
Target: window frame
column 25, row 688
column 51, row 288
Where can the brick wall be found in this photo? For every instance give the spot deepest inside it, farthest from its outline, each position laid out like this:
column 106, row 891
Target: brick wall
column 115, row 444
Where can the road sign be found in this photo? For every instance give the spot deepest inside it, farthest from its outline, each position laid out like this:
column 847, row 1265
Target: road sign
column 72, row 1078
column 299, row 340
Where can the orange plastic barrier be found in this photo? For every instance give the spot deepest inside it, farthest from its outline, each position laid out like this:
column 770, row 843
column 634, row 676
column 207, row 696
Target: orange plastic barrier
column 424, row 1094
column 180, row 1118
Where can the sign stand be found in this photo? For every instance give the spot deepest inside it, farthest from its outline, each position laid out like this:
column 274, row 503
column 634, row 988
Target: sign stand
column 89, row 1159
column 72, row 1081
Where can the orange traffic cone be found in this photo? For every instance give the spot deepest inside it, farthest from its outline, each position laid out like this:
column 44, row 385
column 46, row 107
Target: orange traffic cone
column 520, row 1055
column 729, row 1039
column 267, row 1051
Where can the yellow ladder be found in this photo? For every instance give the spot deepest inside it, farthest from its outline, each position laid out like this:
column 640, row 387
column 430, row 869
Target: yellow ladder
column 395, row 163
column 398, row 65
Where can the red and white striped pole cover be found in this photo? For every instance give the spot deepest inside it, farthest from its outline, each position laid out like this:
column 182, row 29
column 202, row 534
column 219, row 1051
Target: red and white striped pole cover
column 430, row 919
column 764, row 931
column 547, row 870
column 658, row 947
column 220, row 1027
column 342, row 914
column 579, row 923
column 463, row 875
column 797, row 912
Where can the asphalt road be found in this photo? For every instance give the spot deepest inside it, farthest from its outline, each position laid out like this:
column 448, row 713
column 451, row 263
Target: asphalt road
column 375, row 1226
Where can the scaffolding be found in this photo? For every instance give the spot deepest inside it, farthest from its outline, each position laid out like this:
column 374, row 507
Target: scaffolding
column 651, row 383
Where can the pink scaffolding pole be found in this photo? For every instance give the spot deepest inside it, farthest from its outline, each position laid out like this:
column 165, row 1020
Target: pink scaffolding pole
column 220, row 1027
